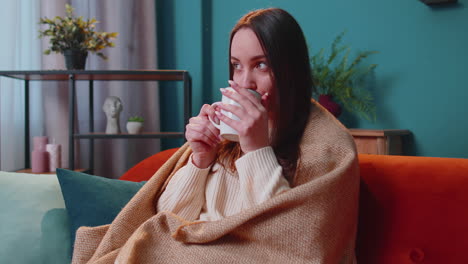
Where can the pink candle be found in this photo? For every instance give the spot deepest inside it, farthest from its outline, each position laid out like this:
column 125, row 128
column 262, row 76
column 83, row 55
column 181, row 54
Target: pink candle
column 40, row 158
column 54, row 151
column 40, row 143
column 40, row 161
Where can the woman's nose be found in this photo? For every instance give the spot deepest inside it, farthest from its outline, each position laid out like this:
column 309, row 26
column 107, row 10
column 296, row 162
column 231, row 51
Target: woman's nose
column 247, row 80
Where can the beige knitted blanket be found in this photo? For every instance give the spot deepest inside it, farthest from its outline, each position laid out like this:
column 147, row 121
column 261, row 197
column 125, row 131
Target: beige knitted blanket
column 314, row 222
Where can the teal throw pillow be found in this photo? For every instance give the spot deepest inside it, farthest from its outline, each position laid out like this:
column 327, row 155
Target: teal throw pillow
column 56, row 238
column 93, row 200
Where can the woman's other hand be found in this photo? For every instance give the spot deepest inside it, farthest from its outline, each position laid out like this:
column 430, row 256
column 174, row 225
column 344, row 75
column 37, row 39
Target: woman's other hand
column 203, row 137
column 253, row 124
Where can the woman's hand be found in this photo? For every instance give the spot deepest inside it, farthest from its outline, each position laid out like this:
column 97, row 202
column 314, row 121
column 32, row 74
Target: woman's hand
column 253, row 124
column 203, row 137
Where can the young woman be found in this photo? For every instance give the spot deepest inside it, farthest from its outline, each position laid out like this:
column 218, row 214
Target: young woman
column 222, row 178
column 287, row 192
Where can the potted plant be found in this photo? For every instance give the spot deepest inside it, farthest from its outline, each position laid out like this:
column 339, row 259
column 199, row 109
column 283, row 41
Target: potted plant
column 135, row 124
column 75, row 37
column 339, row 82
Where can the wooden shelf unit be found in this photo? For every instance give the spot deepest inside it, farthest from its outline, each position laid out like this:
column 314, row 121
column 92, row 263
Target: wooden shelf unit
column 72, row 76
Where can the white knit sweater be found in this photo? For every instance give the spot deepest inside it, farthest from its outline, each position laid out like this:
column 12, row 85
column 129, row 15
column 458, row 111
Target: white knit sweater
column 215, row 192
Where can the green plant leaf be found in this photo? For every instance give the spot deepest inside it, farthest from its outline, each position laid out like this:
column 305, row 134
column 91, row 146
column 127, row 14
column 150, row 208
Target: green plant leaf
column 136, row 119
column 343, row 80
column 71, row 32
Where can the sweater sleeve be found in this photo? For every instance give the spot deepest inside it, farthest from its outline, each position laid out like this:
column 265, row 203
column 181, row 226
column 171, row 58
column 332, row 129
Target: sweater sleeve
column 185, row 193
column 260, row 177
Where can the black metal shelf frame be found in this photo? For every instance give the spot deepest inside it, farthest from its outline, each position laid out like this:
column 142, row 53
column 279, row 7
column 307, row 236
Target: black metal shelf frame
column 98, row 75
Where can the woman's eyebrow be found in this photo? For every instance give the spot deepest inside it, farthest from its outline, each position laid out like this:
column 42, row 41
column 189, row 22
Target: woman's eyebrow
column 252, row 59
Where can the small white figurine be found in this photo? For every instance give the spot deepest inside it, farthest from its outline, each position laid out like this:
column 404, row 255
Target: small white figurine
column 112, row 107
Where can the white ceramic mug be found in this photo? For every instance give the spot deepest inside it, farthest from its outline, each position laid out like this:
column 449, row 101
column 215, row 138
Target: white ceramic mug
column 226, row 131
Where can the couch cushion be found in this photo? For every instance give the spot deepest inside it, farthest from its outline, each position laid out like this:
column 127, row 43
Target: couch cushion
column 93, row 200
column 24, row 200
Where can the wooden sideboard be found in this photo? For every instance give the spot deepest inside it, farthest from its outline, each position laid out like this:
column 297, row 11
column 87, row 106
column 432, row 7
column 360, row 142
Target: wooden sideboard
column 380, row 142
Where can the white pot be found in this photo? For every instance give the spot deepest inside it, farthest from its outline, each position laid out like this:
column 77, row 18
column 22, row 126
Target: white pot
column 134, row 127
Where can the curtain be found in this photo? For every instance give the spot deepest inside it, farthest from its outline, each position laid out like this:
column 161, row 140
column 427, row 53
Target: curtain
column 20, row 49
column 135, row 49
column 135, row 21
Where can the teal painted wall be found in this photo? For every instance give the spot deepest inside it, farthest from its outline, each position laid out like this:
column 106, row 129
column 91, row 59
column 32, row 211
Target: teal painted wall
column 179, row 47
column 423, row 58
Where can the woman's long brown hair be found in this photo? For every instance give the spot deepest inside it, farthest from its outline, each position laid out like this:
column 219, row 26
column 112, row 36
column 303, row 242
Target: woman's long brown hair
column 284, row 45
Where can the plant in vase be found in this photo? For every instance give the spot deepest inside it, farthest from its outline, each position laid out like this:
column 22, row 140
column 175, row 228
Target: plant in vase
column 135, row 124
column 75, row 37
column 339, row 82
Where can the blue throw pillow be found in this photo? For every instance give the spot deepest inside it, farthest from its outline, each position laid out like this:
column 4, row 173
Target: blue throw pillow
column 93, row 200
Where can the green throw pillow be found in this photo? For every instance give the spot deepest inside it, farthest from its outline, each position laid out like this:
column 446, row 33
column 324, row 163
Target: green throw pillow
column 93, row 200
column 25, row 199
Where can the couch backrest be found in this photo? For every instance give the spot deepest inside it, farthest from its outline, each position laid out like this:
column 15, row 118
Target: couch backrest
column 412, row 209
column 147, row 167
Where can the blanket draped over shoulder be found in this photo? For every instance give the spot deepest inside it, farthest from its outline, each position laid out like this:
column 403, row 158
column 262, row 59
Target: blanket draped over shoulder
column 314, row 222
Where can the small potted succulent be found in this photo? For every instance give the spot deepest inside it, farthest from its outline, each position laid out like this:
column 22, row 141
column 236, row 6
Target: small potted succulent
column 75, row 37
column 135, row 124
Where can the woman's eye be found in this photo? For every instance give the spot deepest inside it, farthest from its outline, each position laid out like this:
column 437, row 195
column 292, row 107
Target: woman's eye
column 235, row 65
column 262, row 66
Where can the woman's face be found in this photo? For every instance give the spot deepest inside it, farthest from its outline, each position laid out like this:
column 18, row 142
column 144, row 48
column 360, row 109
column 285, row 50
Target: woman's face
column 249, row 63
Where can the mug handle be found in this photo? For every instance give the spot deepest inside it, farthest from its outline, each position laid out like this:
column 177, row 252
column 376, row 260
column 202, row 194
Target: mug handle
column 213, row 122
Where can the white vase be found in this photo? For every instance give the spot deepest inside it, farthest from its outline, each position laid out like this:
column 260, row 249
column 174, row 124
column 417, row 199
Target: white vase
column 134, row 127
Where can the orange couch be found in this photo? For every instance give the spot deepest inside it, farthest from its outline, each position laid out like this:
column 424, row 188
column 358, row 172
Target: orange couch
column 412, row 209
